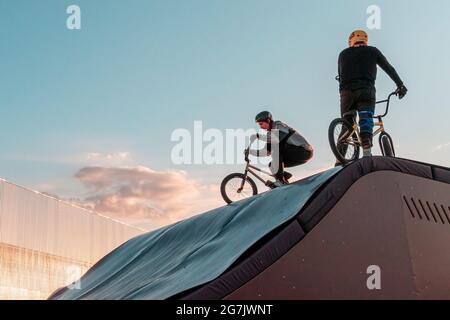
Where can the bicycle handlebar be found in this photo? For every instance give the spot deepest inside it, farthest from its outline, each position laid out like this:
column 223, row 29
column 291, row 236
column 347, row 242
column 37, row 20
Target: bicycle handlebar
column 388, row 100
column 247, row 152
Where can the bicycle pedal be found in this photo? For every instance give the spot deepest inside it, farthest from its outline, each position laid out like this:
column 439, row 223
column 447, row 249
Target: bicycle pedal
column 270, row 185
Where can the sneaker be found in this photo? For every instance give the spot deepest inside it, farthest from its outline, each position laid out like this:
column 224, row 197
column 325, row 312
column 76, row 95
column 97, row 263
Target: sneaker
column 270, row 184
column 367, row 152
column 287, row 175
column 279, row 183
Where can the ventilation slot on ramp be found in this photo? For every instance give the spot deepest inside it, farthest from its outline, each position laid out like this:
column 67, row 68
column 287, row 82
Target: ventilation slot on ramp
column 428, row 210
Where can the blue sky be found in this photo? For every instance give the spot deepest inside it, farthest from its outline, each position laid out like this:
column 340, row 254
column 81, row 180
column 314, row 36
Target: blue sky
column 137, row 70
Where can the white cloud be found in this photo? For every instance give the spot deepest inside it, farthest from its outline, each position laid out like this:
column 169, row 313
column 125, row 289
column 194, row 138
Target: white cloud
column 441, row 146
column 87, row 158
column 110, row 159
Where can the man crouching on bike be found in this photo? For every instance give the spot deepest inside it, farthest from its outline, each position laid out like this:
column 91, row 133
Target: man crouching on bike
column 287, row 147
column 357, row 75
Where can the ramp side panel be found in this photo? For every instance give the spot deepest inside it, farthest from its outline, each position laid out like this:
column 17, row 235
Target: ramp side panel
column 428, row 233
column 348, row 176
column 370, row 225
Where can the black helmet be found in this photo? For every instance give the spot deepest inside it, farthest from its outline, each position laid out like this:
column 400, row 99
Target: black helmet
column 264, row 116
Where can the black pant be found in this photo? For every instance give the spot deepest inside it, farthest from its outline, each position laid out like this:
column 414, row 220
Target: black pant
column 290, row 156
column 361, row 100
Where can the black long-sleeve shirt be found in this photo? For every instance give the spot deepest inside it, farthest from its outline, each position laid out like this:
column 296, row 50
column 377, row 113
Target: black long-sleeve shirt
column 358, row 68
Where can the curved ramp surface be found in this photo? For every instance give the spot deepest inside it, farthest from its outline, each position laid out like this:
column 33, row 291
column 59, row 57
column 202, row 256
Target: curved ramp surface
column 383, row 215
column 315, row 239
column 193, row 252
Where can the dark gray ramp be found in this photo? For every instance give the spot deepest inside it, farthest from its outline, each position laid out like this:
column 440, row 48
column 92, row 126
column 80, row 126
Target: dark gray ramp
column 282, row 244
column 268, row 252
column 397, row 222
column 193, row 252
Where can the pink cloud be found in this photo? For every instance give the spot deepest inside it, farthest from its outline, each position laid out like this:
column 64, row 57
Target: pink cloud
column 145, row 197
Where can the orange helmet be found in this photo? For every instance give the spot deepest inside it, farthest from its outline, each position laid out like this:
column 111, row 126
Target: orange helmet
column 357, row 37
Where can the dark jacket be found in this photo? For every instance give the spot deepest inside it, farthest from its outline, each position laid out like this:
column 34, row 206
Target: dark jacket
column 357, row 68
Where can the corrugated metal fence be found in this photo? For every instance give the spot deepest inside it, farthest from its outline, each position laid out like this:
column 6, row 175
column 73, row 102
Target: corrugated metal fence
column 45, row 242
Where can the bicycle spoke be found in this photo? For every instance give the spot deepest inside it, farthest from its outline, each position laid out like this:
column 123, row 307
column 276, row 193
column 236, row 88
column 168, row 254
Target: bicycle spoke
column 345, row 141
column 234, row 185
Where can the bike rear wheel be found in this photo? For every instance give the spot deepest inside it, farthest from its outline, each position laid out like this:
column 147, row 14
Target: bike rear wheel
column 343, row 141
column 386, row 145
column 232, row 191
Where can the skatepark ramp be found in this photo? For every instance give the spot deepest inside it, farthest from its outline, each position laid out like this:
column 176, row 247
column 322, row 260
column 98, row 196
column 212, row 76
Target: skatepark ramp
column 317, row 238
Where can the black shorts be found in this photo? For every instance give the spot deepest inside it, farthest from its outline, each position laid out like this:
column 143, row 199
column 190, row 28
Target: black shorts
column 290, row 156
column 358, row 100
column 293, row 156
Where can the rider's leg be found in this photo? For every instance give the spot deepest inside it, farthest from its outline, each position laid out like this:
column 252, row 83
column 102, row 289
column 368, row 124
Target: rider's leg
column 347, row 104
column 295, row 156
column 277, row 165
column 366, row 109
column 366, row 126
column 292, row 156
column 280, row 175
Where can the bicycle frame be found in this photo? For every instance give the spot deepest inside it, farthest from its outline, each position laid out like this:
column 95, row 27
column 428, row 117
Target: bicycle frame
column 356, row 132
column 249, row 168
column 387, row 101
column 379, row 123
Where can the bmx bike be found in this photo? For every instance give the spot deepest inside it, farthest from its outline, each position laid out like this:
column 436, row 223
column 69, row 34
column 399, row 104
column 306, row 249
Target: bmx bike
column 345, row 138
column 238, row 186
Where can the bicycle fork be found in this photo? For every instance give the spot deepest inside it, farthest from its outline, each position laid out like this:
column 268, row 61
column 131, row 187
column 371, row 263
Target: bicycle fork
column 245, row 178
column 248, row 169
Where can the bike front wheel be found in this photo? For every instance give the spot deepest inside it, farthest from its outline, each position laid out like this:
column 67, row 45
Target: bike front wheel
column 343, row 141
column 237, row 186
column 387, row 145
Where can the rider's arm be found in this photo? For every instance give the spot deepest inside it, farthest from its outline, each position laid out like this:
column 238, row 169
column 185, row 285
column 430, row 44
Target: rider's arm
column 259, row 153
column 339, row 67
column 266, row 151
column 388, row 68
column 258, row 136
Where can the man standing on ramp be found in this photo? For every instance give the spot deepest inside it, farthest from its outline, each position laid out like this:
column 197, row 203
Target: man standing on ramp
column 357, row 74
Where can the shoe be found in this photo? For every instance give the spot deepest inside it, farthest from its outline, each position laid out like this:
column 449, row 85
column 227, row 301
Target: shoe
column 279, row 183
column 367, row 152
column 270, row 184
column 287, row 175
column 276, row 184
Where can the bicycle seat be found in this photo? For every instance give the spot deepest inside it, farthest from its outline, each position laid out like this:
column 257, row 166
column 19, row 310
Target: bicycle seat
column 351, row 113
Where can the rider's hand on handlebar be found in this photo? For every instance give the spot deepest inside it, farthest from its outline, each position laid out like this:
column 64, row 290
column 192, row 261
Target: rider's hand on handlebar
column 246, row 153
column 401, row 91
